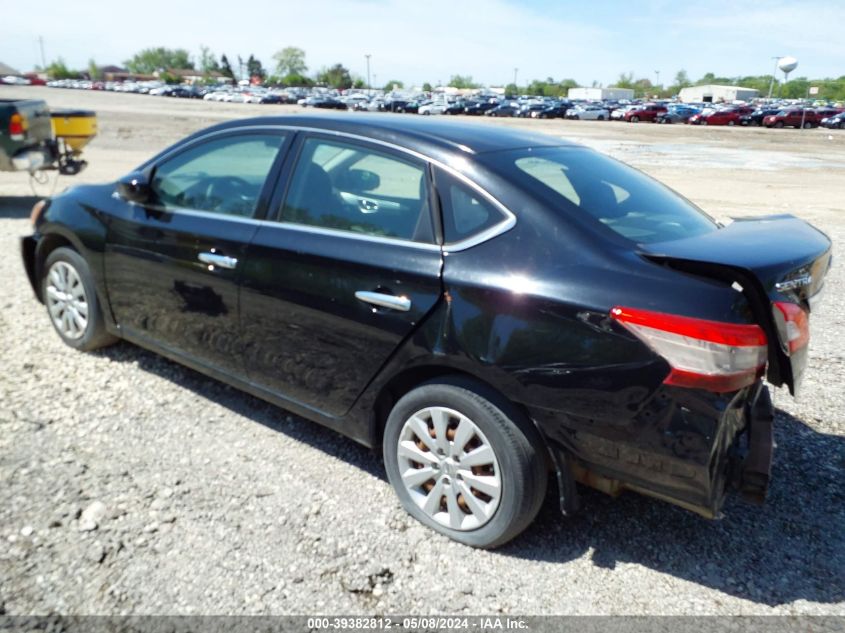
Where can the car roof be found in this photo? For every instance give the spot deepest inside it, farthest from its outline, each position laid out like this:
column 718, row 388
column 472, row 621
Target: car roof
column 410, row 132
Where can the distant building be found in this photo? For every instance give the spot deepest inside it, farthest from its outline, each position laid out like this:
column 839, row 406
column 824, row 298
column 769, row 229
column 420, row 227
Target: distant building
column 717, row 94
column 7, row 70
column 600, row 94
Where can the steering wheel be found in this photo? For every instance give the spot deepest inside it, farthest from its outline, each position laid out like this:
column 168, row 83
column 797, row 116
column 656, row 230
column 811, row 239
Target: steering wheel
column 222, row 189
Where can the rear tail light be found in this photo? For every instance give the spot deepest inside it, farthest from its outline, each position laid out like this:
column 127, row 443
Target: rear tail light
column 793, row 325
column 703, row 354
column 17, row 126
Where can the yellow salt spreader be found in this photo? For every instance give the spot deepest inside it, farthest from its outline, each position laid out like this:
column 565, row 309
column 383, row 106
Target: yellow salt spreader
column 72, row 130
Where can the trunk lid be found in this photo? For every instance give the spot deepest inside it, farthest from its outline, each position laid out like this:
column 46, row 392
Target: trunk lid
column 777, row 258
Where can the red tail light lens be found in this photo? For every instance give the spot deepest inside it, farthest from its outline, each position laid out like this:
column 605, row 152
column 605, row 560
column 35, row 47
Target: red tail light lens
column 703, row 354
column 17, row 127
column 793, row 325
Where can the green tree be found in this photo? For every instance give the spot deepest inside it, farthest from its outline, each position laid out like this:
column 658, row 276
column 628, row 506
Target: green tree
column 337, row 77
column 463, row 82
column 208, row 62
column 150, row 60
column 511, row 89
column 295, row 80
column 94, row 72
column 427, row 87
column 290, row 61
column 626, row 80
column 359, row 83
column 58, row 70
column 682, row 79
column 393, row 84
column 254, row 68
column 226, row 67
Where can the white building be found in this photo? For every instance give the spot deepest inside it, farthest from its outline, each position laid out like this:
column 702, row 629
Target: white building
column 717, row 94
column 600, row 94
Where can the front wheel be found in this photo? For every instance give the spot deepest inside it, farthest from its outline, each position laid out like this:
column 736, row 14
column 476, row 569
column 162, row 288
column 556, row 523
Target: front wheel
column 464, row 462
column 71, row 300
column 634, row 119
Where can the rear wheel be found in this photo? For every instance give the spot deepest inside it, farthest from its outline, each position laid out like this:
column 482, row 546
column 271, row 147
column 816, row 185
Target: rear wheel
column 778, row 124
column 634, row 119
column 465, row 462
column 807, row 125
column 600, row 118
column 71, row 300
column 730, row 123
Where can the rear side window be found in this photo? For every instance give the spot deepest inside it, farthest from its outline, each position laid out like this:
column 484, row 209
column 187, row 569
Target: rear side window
column 592, row 187
column 466, row 212
column 359, row 189
column 222, row 176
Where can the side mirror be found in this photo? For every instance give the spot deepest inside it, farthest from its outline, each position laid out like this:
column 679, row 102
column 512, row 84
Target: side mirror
column 135, row 187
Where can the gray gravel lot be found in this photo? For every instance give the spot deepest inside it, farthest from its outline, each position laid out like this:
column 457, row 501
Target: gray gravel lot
column 131, row 485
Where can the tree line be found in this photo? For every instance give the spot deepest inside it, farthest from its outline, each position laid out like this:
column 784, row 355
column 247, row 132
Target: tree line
column 290, row 69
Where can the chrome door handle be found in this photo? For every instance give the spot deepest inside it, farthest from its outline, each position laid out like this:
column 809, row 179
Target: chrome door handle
column 367, row 206
column 216, row 259
column 403, row 304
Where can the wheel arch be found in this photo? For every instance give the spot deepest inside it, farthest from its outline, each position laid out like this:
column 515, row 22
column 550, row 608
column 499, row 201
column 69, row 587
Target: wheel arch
column 410, row 378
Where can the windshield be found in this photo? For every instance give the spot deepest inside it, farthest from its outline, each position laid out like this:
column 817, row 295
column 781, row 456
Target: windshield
column 582, row 183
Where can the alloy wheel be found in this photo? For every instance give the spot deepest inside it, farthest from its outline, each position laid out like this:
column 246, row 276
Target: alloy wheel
column 449, row 468
column 66, row 300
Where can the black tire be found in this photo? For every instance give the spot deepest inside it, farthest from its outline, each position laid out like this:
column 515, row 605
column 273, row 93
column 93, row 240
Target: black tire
column 94, row 335
column 778, row 124
column 516, row 443
column 807, row 125
column 634, row 119
column 600, row 118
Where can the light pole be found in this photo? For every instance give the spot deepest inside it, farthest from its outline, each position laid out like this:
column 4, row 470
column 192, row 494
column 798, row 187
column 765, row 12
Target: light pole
column 515, row 71
column 368, row 73
column 657, row 85
column 774, row 72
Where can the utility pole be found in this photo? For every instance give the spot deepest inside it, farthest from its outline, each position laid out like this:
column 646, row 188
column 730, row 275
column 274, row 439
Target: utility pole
column 368, row 74
column 43, row 59
column 657, row 72
column 515, row 71
column 774, row 72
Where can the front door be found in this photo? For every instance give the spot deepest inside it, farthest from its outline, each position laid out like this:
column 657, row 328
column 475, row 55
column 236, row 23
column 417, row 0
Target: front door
column 173, row 266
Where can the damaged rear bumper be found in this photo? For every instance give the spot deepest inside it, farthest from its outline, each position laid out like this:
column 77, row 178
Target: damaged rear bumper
column 689, row 448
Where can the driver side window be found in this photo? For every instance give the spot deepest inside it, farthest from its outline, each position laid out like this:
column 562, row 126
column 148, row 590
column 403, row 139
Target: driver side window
column 223, row 176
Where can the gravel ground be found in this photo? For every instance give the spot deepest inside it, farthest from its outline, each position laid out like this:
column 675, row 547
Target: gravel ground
column 130, row 485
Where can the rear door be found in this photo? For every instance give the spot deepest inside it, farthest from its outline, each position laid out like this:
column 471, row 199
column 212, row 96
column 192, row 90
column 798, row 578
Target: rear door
column 173, row 265
column 346, row 269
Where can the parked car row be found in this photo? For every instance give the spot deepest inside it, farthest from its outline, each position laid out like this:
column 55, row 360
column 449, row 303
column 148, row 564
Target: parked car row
column 779, row 114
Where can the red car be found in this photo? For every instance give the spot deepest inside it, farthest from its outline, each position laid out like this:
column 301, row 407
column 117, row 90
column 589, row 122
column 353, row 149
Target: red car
column 725, row 116
column 645, row 112
column 795, row 117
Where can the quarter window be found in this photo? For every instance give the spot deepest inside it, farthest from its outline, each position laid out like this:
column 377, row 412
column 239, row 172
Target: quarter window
column 465, row 211
column 355, row 188
column 223, row 176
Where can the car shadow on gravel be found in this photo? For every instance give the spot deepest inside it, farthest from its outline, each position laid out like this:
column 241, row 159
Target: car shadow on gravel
column 16, row 207
column 257, row 410
column 792, row 548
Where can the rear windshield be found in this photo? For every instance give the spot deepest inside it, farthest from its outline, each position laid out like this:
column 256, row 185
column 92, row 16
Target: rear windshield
column 582, row 183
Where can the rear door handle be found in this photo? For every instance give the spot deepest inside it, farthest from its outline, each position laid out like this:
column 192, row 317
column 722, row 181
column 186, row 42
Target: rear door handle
column 216, row 259
column 403, row 304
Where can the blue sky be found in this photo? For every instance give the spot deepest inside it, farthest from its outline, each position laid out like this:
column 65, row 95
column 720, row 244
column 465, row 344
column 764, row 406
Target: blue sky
column 429, row 40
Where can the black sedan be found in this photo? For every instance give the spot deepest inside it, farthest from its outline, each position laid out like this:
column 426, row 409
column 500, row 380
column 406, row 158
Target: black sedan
column 487, row 306
column 834, row 122
column 756, row 118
